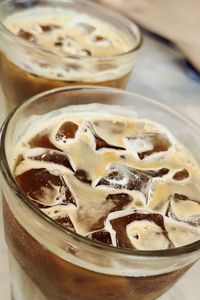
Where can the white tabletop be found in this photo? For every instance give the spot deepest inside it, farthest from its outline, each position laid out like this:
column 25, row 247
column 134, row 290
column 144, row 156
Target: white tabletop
column 159, row 74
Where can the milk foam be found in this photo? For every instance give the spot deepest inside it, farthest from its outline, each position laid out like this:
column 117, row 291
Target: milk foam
column 68, row 33
column 181, row 217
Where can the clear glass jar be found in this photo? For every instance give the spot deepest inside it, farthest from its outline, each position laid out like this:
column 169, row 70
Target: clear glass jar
column 49, row 262
column 25, row 67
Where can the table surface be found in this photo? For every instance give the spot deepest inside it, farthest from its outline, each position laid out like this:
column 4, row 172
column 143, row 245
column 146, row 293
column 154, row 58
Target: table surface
column 159, row 74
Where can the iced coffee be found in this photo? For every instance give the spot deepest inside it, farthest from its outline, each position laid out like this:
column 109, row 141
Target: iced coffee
column 55, row 44
column 121, row 181
column 107, row 204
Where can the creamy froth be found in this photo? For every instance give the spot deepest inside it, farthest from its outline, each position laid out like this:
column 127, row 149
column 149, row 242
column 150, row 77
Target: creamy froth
column 69, row 33
column 120, row 180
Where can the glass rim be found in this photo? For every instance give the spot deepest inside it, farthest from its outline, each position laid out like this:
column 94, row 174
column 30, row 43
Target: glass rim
column 8, row 177
column 130, row 24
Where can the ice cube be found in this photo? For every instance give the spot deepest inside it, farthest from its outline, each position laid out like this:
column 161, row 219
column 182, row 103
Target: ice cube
column 49, row 27
column 54, row 157
column 145, row 144
column 120, row 200
column 83, row 176
column 44, row 188
column 101, row 143
column 101, row 236
column 124, row 177
column 60, row 214
column 66, row 131
column 42, row 140
column 86, row 28
column 184, row 209
column 66, row 222
column 133, row 228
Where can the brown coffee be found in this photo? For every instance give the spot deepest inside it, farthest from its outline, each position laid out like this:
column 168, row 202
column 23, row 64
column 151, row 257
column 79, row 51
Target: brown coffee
column 19, row 85
column 49, row 277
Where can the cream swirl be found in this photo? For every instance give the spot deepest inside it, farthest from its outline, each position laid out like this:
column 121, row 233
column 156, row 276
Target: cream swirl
column 120, row 180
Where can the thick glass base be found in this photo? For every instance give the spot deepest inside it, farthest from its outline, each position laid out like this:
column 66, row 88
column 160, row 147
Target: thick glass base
column 22, row 287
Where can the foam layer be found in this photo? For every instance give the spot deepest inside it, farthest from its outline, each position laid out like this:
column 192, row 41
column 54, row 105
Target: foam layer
column 120, row 180
column 69, row 33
